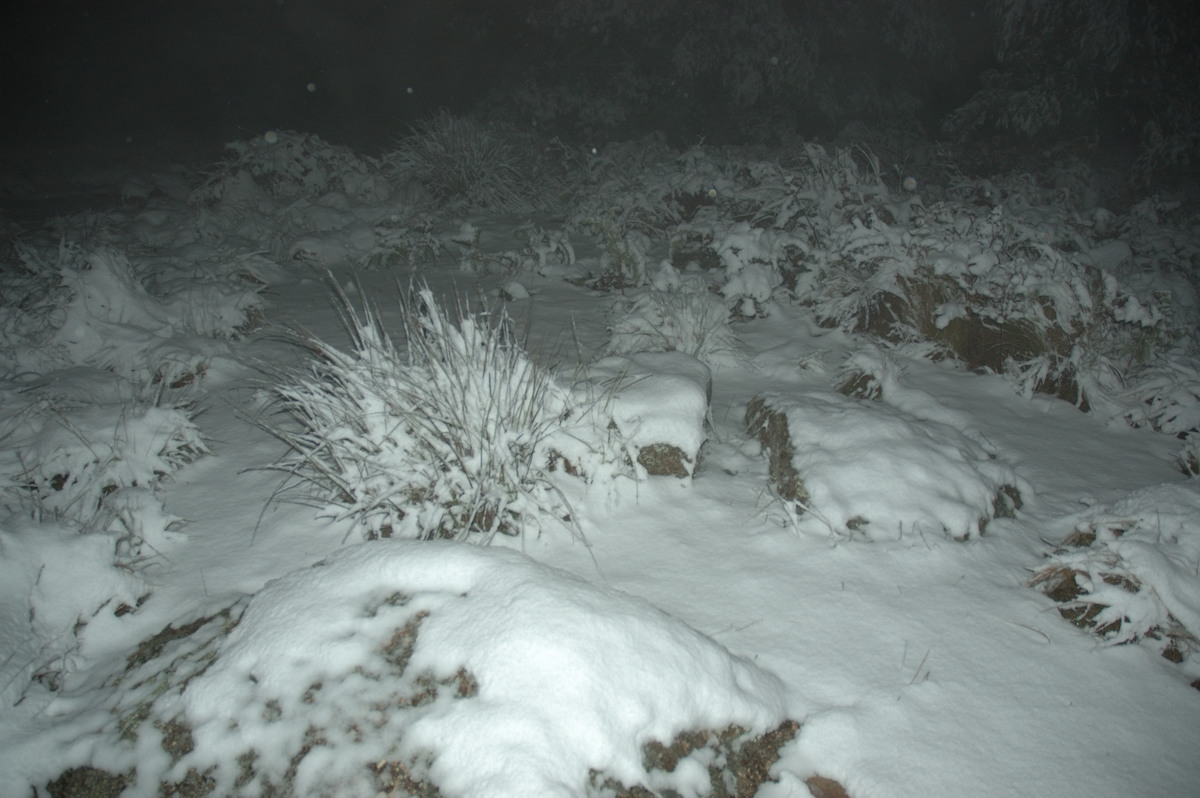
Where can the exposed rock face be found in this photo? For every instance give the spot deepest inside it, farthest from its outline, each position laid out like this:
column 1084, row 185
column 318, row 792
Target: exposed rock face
column 770, row 428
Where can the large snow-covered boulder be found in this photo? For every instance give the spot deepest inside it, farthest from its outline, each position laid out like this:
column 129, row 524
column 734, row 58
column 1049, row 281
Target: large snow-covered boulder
column 433, row 668
column 869, row 469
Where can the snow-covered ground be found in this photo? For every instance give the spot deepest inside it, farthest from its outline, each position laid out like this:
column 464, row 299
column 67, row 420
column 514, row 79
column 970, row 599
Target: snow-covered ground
column 888, row 609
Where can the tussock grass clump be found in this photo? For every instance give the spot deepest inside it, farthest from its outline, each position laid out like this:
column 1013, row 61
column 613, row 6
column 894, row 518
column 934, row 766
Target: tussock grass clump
column 445, row 437
column 691, row 320
column 464, row 162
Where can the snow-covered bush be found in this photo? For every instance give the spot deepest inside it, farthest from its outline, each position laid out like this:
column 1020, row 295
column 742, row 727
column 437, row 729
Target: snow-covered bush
column 81, row 307
column 445, row 438
column 541, row 247
column 71, row 590
column 690, row 320
column 622, row 253
column 755, row 261
column 403, row 242
column 1128, row 571
column 71, row 458
column 1004, row 274
column 465, row 163
column 1017, row 288
column 97, row 465
column 287, row 164
column 647, row 192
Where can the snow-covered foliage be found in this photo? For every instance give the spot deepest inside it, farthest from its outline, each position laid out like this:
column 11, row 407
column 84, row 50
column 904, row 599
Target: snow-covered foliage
column 61, row 593
column 682, row 316
column 1128, row 571
column 541, row 247
column 623, row 253
column 1096, row 309
column 891, row 338
column 465, row 163
column 101, row 340
column 287, row 164
column 401, row 242
column 448, row 437
column 74, row 306
column 72, row 460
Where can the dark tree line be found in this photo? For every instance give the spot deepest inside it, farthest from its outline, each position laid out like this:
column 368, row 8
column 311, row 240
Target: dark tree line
column 1118, row 72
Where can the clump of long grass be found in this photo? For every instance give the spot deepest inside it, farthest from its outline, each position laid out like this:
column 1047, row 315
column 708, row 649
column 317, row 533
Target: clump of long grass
column 445, row 436
column 464, row 162
column 691, row 320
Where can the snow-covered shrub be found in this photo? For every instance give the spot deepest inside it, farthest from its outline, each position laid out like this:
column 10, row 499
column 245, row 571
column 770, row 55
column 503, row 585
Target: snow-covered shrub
column 93, row 308
column 287, row 164
column 690, row 320
column 71, row 591
column 622, row 253
column 403, row 242
column 1031, row 291
column 98, row 465
column 445, row 438
column 647, row 192
column 466, row 163
column 1164, row 396
column 543, row 247
column 1128, row 571
column 755, row 261
column 403, row 668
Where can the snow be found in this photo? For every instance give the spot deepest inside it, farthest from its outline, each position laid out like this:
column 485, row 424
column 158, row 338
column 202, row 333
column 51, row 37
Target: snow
column 912, row 650
column 655, row 398
column 862, row 464
column 566, row 680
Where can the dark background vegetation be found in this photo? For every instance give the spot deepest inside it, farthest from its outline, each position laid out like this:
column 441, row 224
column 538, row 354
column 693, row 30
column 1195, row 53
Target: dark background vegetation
column 1113, row 76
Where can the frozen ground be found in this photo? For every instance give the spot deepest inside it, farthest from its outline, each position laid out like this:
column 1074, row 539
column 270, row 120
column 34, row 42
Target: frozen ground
column 917, row 664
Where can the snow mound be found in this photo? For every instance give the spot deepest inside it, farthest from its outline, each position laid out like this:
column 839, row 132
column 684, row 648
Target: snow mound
column 657, row 400
column 59, row 591
column 476, row 670
column 867, row 468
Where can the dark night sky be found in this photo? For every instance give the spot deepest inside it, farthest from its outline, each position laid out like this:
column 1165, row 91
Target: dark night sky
column 199, row 73
column 193, row 70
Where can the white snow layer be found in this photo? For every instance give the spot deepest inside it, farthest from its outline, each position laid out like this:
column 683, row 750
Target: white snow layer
column 570, row 677
column 655, row 398
column 875, row 469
